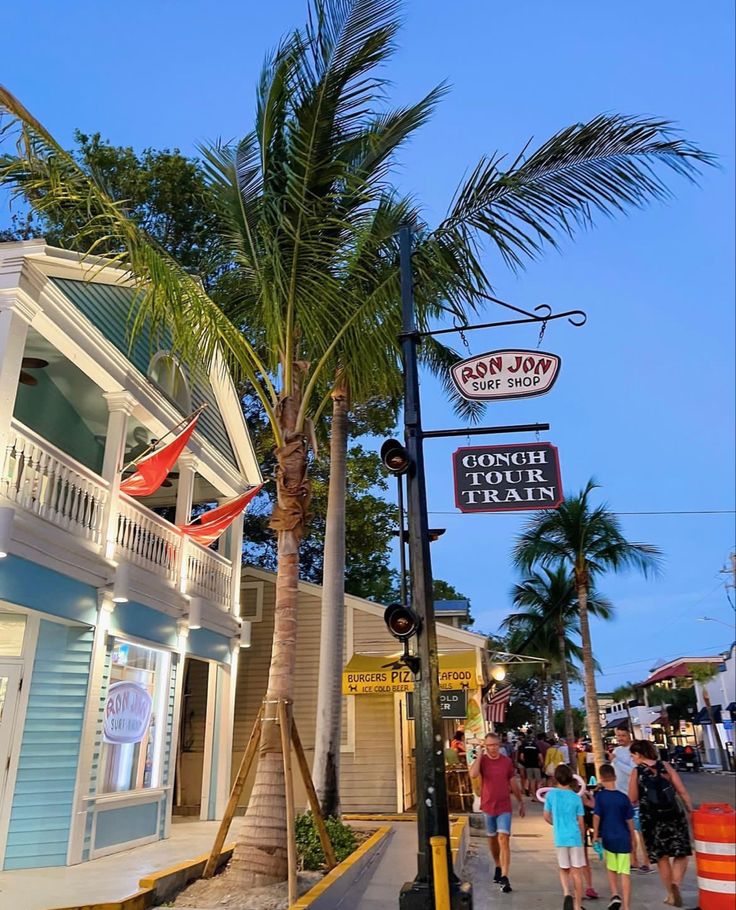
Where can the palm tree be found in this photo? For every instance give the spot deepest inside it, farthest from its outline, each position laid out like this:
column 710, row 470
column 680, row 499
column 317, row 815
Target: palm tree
column 625, row 693
column 306, row 219
column 551, row 621
column 588, row 542
column 703, row 674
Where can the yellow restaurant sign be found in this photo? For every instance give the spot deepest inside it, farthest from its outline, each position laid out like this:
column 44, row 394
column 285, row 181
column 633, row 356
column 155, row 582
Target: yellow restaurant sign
column 373, row 674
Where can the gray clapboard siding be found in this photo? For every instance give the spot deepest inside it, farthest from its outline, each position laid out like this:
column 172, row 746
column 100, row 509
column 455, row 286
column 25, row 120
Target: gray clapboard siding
column 44, row 790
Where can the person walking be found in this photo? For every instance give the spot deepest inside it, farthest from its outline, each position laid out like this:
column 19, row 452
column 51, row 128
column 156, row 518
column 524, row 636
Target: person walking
column 655, row 786
column 563, row 809
column 498, row 781
column 623, row 764
column 552, row 759
column 613, row 826
column 532, row 761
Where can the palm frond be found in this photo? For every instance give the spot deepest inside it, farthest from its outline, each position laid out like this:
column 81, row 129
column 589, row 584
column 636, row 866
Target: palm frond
column 607, row 165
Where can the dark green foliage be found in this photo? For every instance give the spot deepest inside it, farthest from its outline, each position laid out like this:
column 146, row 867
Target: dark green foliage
column 308, row 847
column 578, row 722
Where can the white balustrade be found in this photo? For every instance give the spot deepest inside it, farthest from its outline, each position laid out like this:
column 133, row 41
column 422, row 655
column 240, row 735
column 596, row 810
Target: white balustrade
column 43, row 480
column 209, row 574
column 39, row 478
column 147, row 540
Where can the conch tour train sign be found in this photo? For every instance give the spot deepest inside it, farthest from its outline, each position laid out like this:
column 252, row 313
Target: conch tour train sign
column 507, row 478
column 506, row 374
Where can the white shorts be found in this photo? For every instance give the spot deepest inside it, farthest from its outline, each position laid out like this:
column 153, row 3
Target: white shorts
column 571, row 856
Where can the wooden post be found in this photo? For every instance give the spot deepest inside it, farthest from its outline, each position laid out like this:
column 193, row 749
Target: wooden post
column 314, row 805
column 232, row 803
column 284, row 714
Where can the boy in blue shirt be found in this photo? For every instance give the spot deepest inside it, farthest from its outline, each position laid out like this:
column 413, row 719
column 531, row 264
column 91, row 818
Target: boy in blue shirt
column 613, row 823
column 563, row 809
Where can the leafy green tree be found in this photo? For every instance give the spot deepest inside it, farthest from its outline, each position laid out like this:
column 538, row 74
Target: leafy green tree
column 578, row 722
column 549, row 622
column 587, row 540
column 307, row 219
column 625, row 693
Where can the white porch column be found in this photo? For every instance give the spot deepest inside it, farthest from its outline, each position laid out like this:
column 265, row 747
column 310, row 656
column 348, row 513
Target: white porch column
column 15, row 317
column 236, row 558
column 89, row 728
column 120, row 406
column 187, row 466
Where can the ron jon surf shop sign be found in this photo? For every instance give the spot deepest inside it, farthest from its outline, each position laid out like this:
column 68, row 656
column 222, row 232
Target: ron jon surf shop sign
column 507, row 478
column 506, row 374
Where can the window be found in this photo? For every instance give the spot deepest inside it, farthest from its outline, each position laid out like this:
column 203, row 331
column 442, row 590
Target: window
column 169, row 377
column 134, row 718
column 12, row 633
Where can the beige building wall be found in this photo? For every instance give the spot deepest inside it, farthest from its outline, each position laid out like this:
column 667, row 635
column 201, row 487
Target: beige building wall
column 368, row 763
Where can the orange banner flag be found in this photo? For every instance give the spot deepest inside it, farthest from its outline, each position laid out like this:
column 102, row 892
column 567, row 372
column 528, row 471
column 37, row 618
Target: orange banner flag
column 151, row 471
column 212, row 524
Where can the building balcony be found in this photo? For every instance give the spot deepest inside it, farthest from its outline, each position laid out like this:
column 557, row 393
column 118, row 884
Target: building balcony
column 38, row 478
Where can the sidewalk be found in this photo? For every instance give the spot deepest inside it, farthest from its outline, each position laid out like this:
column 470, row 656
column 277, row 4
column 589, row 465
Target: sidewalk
column 106, row 879
column 534, row 872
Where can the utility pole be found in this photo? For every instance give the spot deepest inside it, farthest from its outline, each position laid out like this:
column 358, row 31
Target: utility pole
column 730, row 584
column 432, row 813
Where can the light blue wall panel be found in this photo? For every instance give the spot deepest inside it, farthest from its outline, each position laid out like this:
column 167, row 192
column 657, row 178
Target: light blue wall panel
column 30, row 585
column 44, row 789
column 119, row 826
column 209, row 645
column 144, row 622
column 169, row 760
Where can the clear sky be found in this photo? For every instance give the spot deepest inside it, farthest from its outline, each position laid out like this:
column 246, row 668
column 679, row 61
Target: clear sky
column 645, row 399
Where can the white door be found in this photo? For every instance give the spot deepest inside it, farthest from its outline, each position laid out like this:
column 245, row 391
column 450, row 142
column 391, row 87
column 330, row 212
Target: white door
column 10, row 677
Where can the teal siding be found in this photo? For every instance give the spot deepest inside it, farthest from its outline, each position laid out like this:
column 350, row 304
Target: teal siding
column 97, row 752
column 209, row 645
column 120, row 826
column 30, row 585
column 141, row 621
column 108, row 308
column 44, row 790
column 49, row 413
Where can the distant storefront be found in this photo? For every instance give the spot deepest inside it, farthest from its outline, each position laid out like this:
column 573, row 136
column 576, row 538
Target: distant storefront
column 377, row 771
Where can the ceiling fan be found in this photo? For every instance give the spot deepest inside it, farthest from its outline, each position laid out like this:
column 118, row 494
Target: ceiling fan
column 31, row 363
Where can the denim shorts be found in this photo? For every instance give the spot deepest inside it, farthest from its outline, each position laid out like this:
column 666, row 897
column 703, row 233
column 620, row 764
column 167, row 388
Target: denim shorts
column 498, row 824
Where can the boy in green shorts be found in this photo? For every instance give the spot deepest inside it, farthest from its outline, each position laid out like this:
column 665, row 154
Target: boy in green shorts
column 613, row 824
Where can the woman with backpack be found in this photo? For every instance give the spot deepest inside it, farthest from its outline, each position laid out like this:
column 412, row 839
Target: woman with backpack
column 655, row 786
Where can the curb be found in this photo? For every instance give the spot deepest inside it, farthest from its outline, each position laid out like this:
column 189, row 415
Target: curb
column 328, row 893
column 159, row 887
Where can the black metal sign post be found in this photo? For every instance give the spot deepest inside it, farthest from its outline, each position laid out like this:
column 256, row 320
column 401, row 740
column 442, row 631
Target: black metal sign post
column 432, row 815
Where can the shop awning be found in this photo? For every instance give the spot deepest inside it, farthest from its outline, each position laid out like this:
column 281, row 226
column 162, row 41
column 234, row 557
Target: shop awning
column 731, row 710
column 376, row 674
column 703, row 718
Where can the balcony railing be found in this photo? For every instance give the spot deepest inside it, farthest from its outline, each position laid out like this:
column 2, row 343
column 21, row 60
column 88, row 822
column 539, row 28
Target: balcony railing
column 39, row 478
column 147, row 540
column 42, row 479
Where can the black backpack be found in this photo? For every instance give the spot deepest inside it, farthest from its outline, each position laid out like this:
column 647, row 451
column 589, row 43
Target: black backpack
column 656, row 789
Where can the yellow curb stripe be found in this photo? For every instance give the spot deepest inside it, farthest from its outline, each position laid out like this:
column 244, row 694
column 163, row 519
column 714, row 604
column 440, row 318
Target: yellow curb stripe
column 144, row 898
column 306, row 900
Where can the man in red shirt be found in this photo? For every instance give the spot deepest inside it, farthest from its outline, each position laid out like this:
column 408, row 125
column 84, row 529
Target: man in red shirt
column 498, row 781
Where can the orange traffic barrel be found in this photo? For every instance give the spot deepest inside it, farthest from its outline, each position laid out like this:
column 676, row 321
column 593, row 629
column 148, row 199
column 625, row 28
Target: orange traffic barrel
column 714, row 827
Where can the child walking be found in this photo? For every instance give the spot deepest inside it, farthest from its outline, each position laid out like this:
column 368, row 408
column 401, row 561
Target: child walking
column 563, row 809
column 613, row 823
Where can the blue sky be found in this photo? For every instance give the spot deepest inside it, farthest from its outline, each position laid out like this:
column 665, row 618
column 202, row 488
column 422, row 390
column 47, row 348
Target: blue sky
column 645, row 399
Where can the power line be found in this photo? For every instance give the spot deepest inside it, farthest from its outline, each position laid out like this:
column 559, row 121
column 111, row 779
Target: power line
column 669, row 512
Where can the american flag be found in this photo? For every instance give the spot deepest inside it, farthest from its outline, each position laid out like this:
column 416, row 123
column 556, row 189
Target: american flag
column 497, row 704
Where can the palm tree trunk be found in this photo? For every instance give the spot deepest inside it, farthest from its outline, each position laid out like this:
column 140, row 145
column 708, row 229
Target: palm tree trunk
column 326, row 770
column 260, row 857
column 566, row 704
column 550, row 706
column 591, row 696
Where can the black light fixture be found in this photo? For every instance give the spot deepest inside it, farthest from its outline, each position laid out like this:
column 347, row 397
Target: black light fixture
column 394, row 456
column 401, row 621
